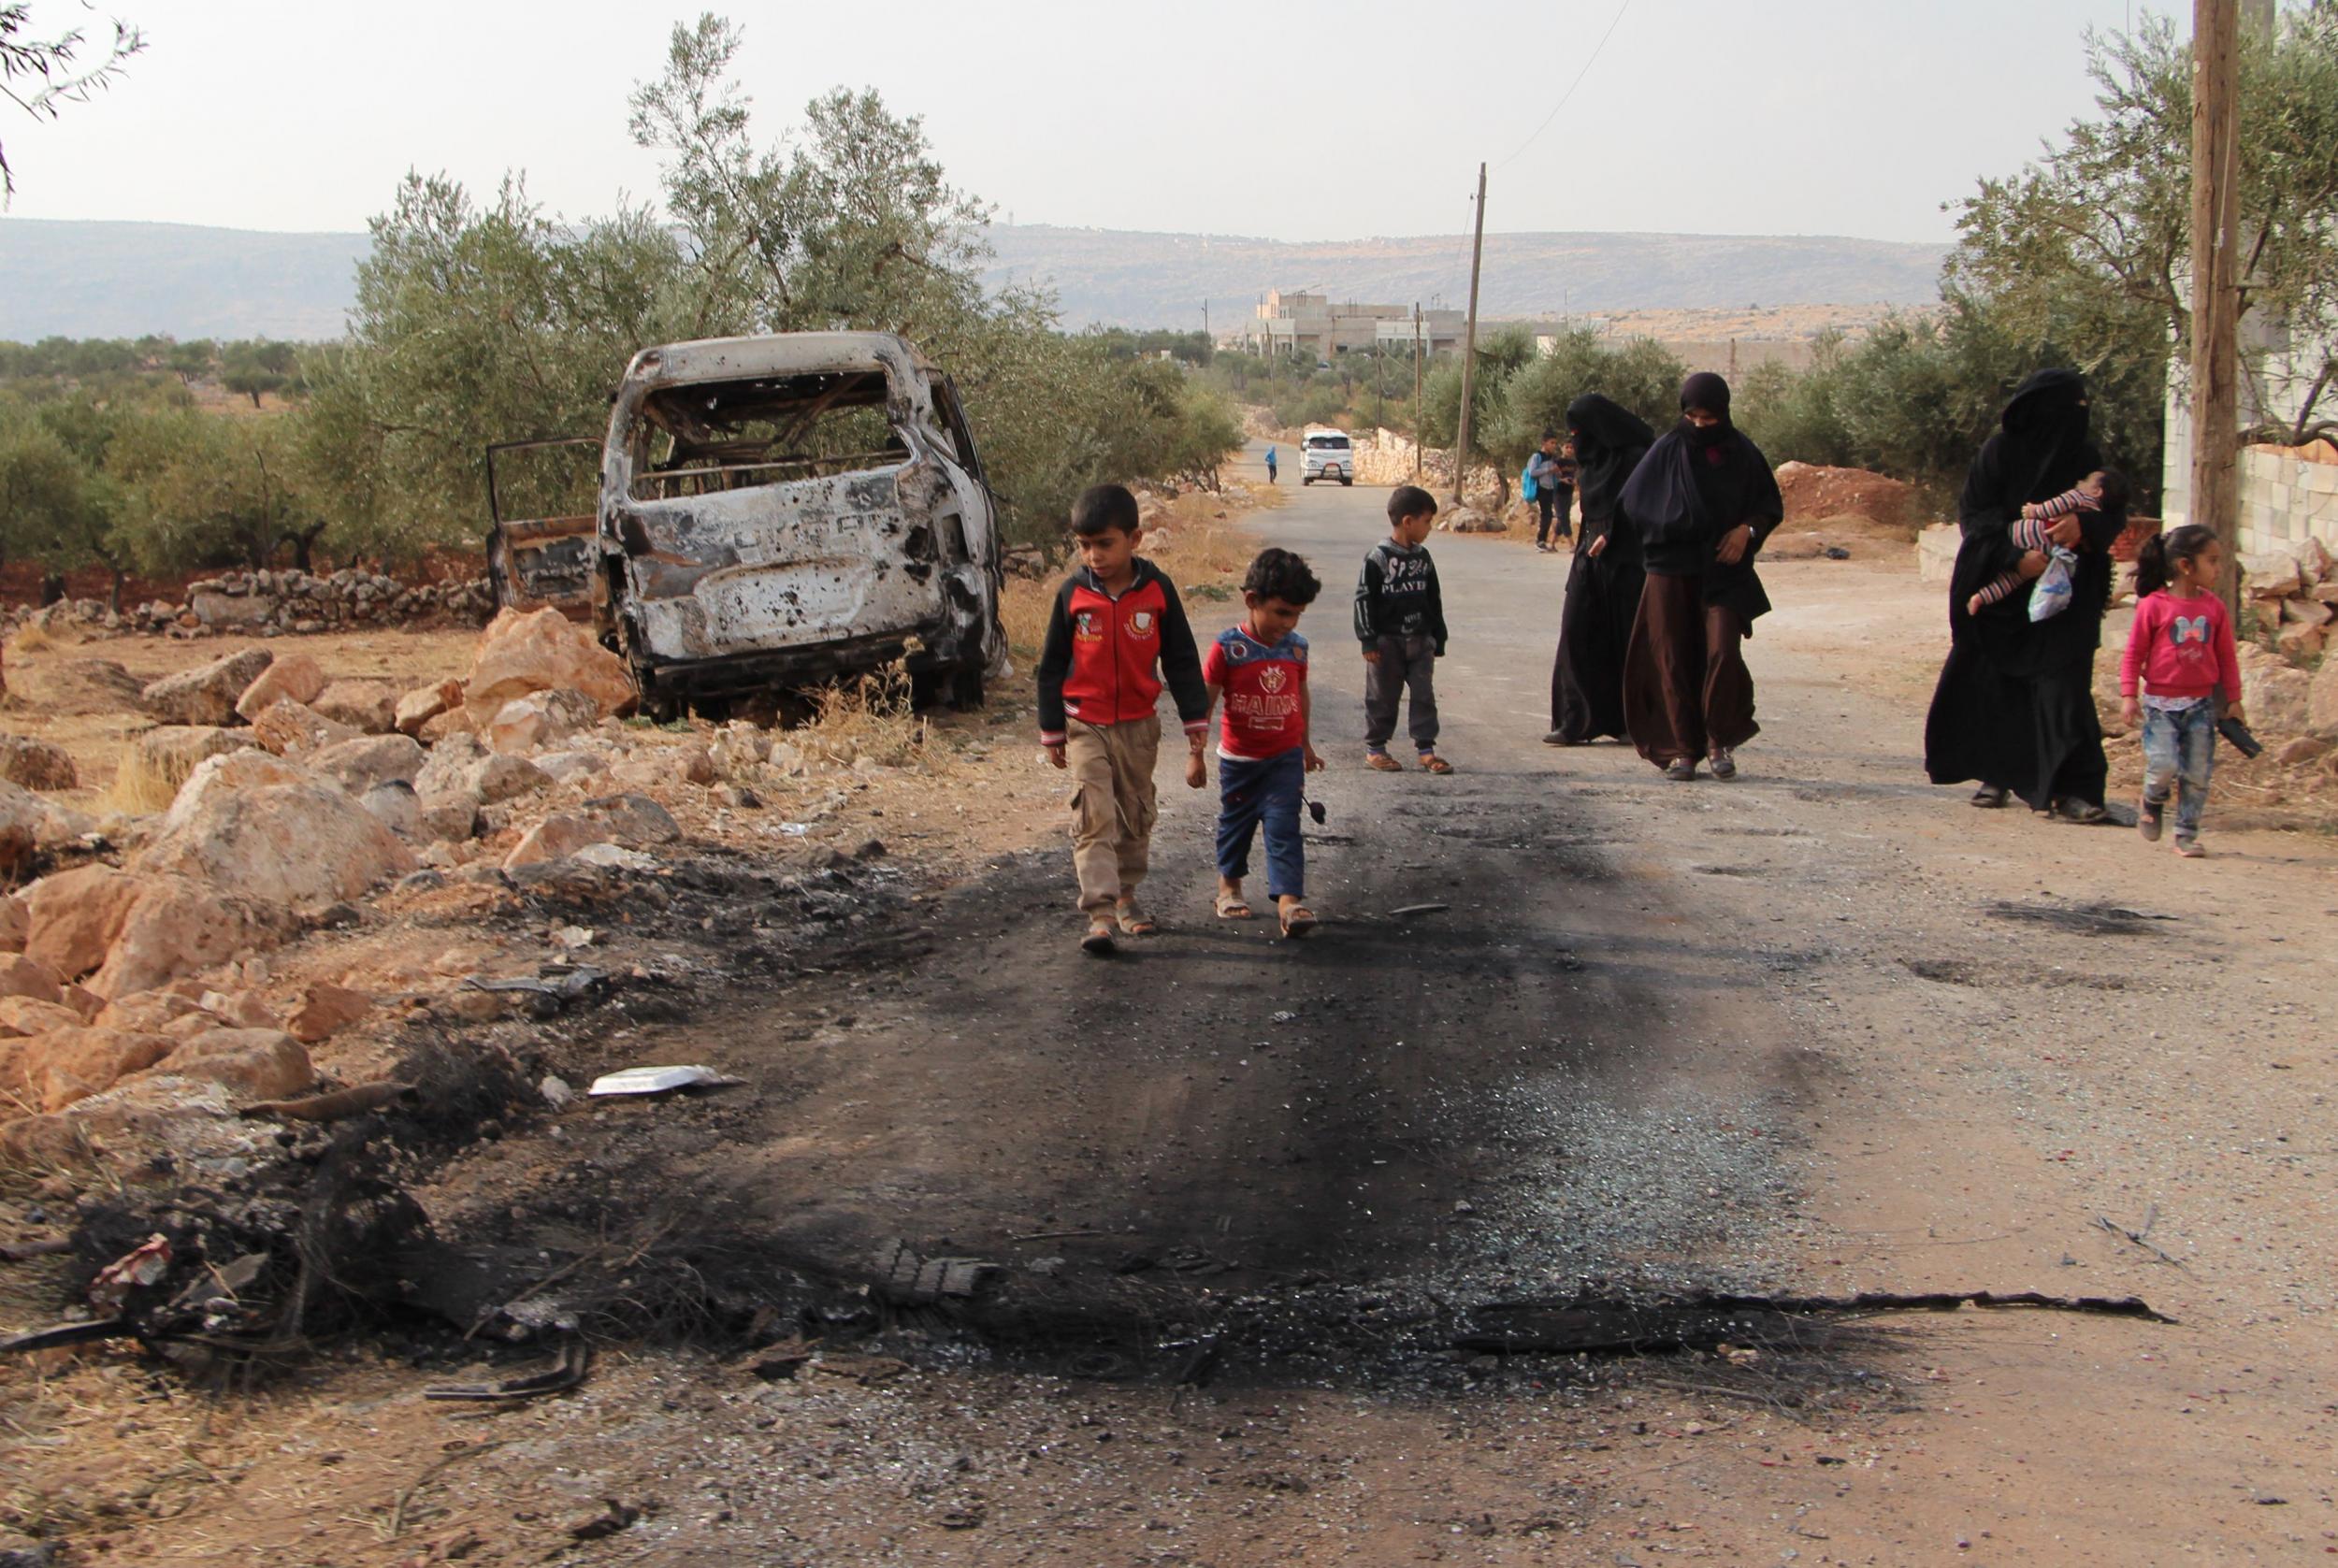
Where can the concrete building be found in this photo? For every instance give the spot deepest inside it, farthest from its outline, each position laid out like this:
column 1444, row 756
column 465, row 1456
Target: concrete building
column 1313, row 327
column 2288, row 495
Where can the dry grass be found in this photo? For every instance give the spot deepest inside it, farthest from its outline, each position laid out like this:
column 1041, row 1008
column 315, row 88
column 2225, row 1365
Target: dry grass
column 142, row 782
column 870, row 717
column 30, row 639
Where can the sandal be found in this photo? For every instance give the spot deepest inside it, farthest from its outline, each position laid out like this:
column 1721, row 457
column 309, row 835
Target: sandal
column 2084, row 813
column 1133, row 921
column 1380, row 762
column 1990, row 798
column 1298, row 920
column 1232, row 906
column 1098, row 943
column 1432, row 763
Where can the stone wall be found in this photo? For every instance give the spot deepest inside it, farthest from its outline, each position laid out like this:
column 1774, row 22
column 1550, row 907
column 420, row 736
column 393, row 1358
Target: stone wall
column 273, row 602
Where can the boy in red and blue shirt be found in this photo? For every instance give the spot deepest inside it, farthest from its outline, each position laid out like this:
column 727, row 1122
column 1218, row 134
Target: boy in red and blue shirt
column 1116, row 635
column 1264, row 754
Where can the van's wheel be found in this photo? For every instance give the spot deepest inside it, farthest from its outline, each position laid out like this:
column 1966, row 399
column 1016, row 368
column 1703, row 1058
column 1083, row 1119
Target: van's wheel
column 1344, row 480
column 1307, row 478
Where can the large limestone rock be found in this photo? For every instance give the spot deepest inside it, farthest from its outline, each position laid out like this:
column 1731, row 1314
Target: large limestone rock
column 524, row 651
column 16, row 922
column 36, row 764
column 368, row 707
column 541, row 719
column 369, row 761
column 69, row 1064
column 2321, row 699
column 74, row 916
column 556, row 838
column 21, row 976
column 417, row 708
column 178, row 926
column 208, row 693
column 288, row 728
column 147, row 1012
column 294, row 677
column 632, row 820
column 459, row 765
column 2276, row 692
column 21, row 813
column 2271, row 574
column 78, row 686
column 24, row 1016
column 253, row 1064
column 259, row 829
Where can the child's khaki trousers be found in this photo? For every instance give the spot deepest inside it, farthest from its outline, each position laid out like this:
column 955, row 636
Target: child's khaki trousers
column 1113, row 807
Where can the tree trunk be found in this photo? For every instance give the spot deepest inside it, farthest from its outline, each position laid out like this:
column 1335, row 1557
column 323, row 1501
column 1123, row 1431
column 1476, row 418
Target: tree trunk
column 113, row 595
column 51, row 587
column 303, row 543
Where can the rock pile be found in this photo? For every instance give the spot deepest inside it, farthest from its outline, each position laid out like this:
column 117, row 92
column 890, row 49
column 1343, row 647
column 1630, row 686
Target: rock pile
column 271, row 603
column 2294, row 591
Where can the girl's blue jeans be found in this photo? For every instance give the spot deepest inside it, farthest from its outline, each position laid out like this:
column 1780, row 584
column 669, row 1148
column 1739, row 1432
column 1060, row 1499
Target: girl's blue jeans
column 1263, row 793
column 2179, row 753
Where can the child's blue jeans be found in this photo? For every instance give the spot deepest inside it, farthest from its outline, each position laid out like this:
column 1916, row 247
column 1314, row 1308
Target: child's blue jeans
column 2180, row 753
column 1252, row 795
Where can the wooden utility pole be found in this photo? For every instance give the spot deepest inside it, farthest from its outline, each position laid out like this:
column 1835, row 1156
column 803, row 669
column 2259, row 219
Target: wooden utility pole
column 1469, row 344
column 2215, row 281
column 1415, row 392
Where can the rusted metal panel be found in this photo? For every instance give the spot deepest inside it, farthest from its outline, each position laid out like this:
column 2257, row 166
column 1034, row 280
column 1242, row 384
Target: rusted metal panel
column 547, row 562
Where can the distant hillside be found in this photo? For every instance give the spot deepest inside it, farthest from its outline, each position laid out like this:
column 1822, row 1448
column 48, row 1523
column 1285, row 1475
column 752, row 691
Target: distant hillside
column 1125, row 279
column 99, row 279
column 77, row 280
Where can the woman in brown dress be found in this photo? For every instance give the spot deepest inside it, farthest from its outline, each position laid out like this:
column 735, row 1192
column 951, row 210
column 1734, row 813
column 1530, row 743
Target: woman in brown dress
column 1704, row 499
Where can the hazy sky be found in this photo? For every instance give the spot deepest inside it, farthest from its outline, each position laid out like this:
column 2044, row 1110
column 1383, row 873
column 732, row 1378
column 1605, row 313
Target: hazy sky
column 1852, row 117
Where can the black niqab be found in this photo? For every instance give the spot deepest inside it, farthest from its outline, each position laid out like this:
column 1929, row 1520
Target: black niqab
column 1608, row 441
column 1686, row 494
column 1709, row 393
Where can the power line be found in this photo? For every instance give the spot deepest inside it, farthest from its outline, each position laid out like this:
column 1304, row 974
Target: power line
column 1572, row 85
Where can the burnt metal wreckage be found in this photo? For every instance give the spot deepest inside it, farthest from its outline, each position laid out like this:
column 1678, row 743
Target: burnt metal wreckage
column 768, row 513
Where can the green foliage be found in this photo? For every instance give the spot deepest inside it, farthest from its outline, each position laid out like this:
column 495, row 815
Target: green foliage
column 486, row 321
column 2088, row 248
column 52, row 509
column 41, row 75
column 1640, row 373
column 199, row 490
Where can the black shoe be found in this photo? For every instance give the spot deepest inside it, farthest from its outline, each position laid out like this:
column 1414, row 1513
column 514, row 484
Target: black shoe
column 1990, row 799
column 2084, row 813
column 1682, row 769
column 1724, row 763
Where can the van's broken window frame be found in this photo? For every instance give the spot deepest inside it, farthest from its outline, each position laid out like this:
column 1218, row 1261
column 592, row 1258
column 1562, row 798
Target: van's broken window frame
column 664, row 410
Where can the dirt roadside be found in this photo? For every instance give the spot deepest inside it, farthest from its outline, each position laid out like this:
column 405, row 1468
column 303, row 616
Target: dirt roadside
column 1774, row 1034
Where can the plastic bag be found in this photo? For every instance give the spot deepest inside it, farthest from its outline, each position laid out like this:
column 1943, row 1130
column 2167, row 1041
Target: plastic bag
column 2052, row 595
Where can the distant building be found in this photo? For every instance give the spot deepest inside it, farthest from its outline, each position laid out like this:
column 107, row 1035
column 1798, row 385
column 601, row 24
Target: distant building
column 1312, row 326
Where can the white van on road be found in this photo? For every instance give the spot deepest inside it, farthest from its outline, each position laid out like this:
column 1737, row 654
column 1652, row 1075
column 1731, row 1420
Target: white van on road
column 1327, row 454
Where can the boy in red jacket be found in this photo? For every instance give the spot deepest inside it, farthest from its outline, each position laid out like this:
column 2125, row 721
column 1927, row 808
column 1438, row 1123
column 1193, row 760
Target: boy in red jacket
column 1116, row 634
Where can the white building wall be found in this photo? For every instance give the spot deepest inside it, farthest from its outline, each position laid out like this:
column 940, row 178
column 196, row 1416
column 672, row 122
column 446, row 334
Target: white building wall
column 2284, row 499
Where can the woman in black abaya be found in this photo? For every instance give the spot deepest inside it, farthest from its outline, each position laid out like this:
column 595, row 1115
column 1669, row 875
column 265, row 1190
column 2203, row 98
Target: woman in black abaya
column 1704, row 499
column 1603, row 585
column 2014, row 708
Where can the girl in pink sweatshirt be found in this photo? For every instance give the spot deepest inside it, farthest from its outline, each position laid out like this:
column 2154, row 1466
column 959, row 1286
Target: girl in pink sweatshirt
column 2181, row 674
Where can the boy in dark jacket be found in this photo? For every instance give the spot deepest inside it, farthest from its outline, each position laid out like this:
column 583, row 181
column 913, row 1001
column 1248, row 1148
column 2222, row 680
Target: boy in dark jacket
column 1400, row 620
column 1116, row 633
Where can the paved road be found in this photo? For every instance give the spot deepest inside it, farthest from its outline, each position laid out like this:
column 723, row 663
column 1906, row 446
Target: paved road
column 1562, row 1075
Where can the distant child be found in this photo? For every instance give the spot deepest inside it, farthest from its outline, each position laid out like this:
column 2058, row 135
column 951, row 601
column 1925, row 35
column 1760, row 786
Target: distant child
column 1400, row 620
column 2103, row 488
column 1116, row 632
column 1552, row 469
column 2181, row 648
column 1264, row 752
column 1270, row 464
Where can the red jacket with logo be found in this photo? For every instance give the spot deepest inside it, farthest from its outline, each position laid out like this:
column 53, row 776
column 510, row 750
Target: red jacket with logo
column 1101, row 654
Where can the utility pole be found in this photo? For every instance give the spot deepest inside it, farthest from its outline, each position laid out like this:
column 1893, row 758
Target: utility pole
column 1415, row 392
column 1469, row 343
column 2215, row 281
